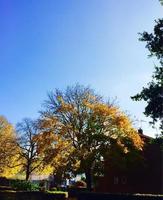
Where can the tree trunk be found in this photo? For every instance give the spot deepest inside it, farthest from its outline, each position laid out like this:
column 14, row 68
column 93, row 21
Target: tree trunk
column 27, row 173
column 88, row 175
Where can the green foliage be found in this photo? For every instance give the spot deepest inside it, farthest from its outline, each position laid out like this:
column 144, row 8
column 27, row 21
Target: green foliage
column 24, row 185
column 154, row 41
column 83, row 178
column 153, row 93
column 161, row 1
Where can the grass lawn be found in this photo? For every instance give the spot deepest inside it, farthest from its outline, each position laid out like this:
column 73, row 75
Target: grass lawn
column 58, row 192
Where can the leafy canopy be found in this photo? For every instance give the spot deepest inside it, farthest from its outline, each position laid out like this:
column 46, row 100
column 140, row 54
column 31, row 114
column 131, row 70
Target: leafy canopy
column 87, row 126
column 153, row 93
column 8, row 149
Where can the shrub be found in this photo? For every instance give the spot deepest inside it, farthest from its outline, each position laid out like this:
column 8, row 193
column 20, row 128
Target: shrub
column 24, row 185
column 4, row 181
column 42, row 186
column 59, row 194
column 80, row 184
column 53, row 189
column 83, row 179
column 34, row 195
column 107, row 196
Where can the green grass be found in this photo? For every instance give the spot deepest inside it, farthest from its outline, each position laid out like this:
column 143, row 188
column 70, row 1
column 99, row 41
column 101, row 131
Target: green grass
column 12, row 191
column 58, row 192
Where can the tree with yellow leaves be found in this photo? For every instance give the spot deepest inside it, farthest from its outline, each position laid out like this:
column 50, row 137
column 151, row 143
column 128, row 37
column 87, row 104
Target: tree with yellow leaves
column 89, row 126
column 53, row 148
column 8, row 149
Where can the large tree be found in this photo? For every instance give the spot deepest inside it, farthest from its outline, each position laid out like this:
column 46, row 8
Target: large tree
column 153, row 92
column 90, row 126
column 9, row 164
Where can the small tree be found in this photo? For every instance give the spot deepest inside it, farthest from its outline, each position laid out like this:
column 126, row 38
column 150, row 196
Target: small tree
column 89, row 126
column 53, row 148
column 9, row 164
column 29, row 157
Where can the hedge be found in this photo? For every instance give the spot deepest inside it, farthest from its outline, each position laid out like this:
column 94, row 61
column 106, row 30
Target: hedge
column 106, row 196
column 74, row 192
column 7, row 195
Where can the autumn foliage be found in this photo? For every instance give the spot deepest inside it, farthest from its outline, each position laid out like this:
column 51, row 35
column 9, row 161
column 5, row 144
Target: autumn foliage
column 80, row 126
column 9, row 163
column 76, row 132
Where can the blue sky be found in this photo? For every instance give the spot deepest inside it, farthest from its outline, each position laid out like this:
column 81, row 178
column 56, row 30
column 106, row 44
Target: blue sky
column 54, row 43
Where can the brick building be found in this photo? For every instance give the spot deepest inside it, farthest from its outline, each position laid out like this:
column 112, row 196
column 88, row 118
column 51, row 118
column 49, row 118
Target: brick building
column 146, row 177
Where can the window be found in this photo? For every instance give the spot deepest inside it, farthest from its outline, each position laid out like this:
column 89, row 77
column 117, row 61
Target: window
column 123, row 180
column 116, row 180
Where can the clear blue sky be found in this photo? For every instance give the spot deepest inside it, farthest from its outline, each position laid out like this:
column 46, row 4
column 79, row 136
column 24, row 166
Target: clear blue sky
column 54, row 43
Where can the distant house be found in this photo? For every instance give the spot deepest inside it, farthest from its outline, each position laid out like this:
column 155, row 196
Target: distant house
column 35, row 177
column 144, row 178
